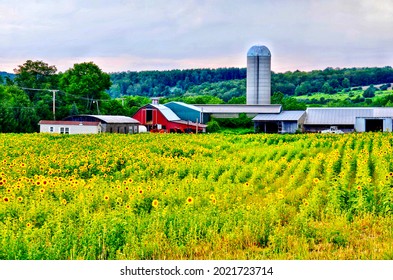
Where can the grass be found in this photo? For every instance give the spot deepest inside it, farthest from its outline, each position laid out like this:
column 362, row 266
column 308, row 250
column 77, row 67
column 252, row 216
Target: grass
column 342, row 95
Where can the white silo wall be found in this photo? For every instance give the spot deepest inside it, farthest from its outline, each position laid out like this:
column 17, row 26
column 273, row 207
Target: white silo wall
column 258, row 77
column 252, row 77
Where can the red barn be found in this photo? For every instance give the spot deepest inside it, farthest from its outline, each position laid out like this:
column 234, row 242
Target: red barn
column 159, row 118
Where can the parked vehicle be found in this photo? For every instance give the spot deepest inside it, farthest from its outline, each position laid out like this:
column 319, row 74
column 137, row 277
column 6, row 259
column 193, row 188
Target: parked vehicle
column 332, row 129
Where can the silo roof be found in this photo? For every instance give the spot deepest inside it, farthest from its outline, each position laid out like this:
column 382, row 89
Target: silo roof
column 258, row 50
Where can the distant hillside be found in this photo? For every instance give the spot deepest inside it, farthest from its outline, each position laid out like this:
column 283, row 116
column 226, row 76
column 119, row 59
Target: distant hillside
column 218, row 82
column 168, row 83
column 5, row 74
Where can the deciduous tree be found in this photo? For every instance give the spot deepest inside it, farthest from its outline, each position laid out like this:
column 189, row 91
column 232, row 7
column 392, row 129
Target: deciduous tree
column 85, row 82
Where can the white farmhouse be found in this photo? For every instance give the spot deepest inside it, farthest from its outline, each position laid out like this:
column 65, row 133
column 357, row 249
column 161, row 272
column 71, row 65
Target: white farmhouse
column 70, row 127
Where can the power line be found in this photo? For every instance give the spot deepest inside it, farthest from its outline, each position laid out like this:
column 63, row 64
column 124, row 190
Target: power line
column 53, row 98
column 54, row 91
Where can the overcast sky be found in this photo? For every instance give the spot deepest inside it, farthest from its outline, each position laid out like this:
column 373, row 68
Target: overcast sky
column 121, row 35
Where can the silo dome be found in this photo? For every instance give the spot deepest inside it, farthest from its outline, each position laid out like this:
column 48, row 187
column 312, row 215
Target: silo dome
column 258, row 51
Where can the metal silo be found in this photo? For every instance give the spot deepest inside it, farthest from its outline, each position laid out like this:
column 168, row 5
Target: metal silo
column 258, row 75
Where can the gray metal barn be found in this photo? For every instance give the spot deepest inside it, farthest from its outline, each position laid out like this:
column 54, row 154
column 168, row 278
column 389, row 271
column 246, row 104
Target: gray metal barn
column 234, row 110
column 349, row 119
column 284, row 122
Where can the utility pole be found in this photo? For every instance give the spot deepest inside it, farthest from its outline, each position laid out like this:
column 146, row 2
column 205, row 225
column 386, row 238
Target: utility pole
column 98, row 109
column 196, row 132
column 54, row 103
column 122, row 101
column 53, row 98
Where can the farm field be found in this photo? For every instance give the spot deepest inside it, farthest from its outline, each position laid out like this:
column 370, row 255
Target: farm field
column 342, row 96
column 204, row 196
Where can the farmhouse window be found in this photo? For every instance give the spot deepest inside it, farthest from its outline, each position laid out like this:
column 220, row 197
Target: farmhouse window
column 64, row 130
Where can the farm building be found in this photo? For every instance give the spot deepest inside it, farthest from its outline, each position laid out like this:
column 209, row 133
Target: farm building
column 70, row 127
column 234, row 110
column 284, row 122
column 185, row 111
column 109, row 123
column 159, row 118
column 204, row 112
column 318, row 119
column 267, row 118
column 349, row 119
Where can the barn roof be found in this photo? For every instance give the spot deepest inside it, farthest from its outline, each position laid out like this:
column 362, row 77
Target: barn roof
column 331, row 116
column 382, row 112
column 189, row 106
column 115, row 119
column 283, row 116
column 343, row 116
column 68, row 123
column 168, row 113
column 103, row 118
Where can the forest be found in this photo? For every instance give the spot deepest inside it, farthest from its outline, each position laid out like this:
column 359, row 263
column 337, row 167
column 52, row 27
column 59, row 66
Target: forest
column 227, row 83
column 37, row 91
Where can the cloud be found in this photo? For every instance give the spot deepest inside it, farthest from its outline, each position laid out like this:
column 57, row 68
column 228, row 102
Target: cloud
column 177, row 34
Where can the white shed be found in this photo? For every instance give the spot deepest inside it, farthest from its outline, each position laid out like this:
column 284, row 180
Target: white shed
column 70, row 127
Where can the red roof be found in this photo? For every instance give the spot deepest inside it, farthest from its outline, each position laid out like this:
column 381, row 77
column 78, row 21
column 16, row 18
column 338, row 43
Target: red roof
column 68, row 123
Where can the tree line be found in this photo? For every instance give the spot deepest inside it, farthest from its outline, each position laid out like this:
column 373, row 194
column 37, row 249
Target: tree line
column 230, row 82
column 38, row 92
column 170, row 82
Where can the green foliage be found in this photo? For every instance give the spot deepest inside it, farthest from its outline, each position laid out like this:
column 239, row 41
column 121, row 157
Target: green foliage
column 327, row 88
column 198, row 99
column 133, row 103
column 369, row 92
column 329, row 80
column 169, row 83
column 385, row 86
column 288, row 102
column 346, row 83
column 227, row 83
column 16, row 111
column 224, row 90
column 238, row 100
column 36, row 74
column 241, row 122
column 85, row 82
column 213, row 126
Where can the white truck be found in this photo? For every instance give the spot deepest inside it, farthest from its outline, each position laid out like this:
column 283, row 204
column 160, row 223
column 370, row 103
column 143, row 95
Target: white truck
column 332, row 129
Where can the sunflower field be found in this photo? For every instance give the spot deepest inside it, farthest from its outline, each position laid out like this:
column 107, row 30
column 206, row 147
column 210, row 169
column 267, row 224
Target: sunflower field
column 203, row 196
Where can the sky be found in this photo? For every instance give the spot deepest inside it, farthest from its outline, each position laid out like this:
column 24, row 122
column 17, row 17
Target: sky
column 134, row 35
